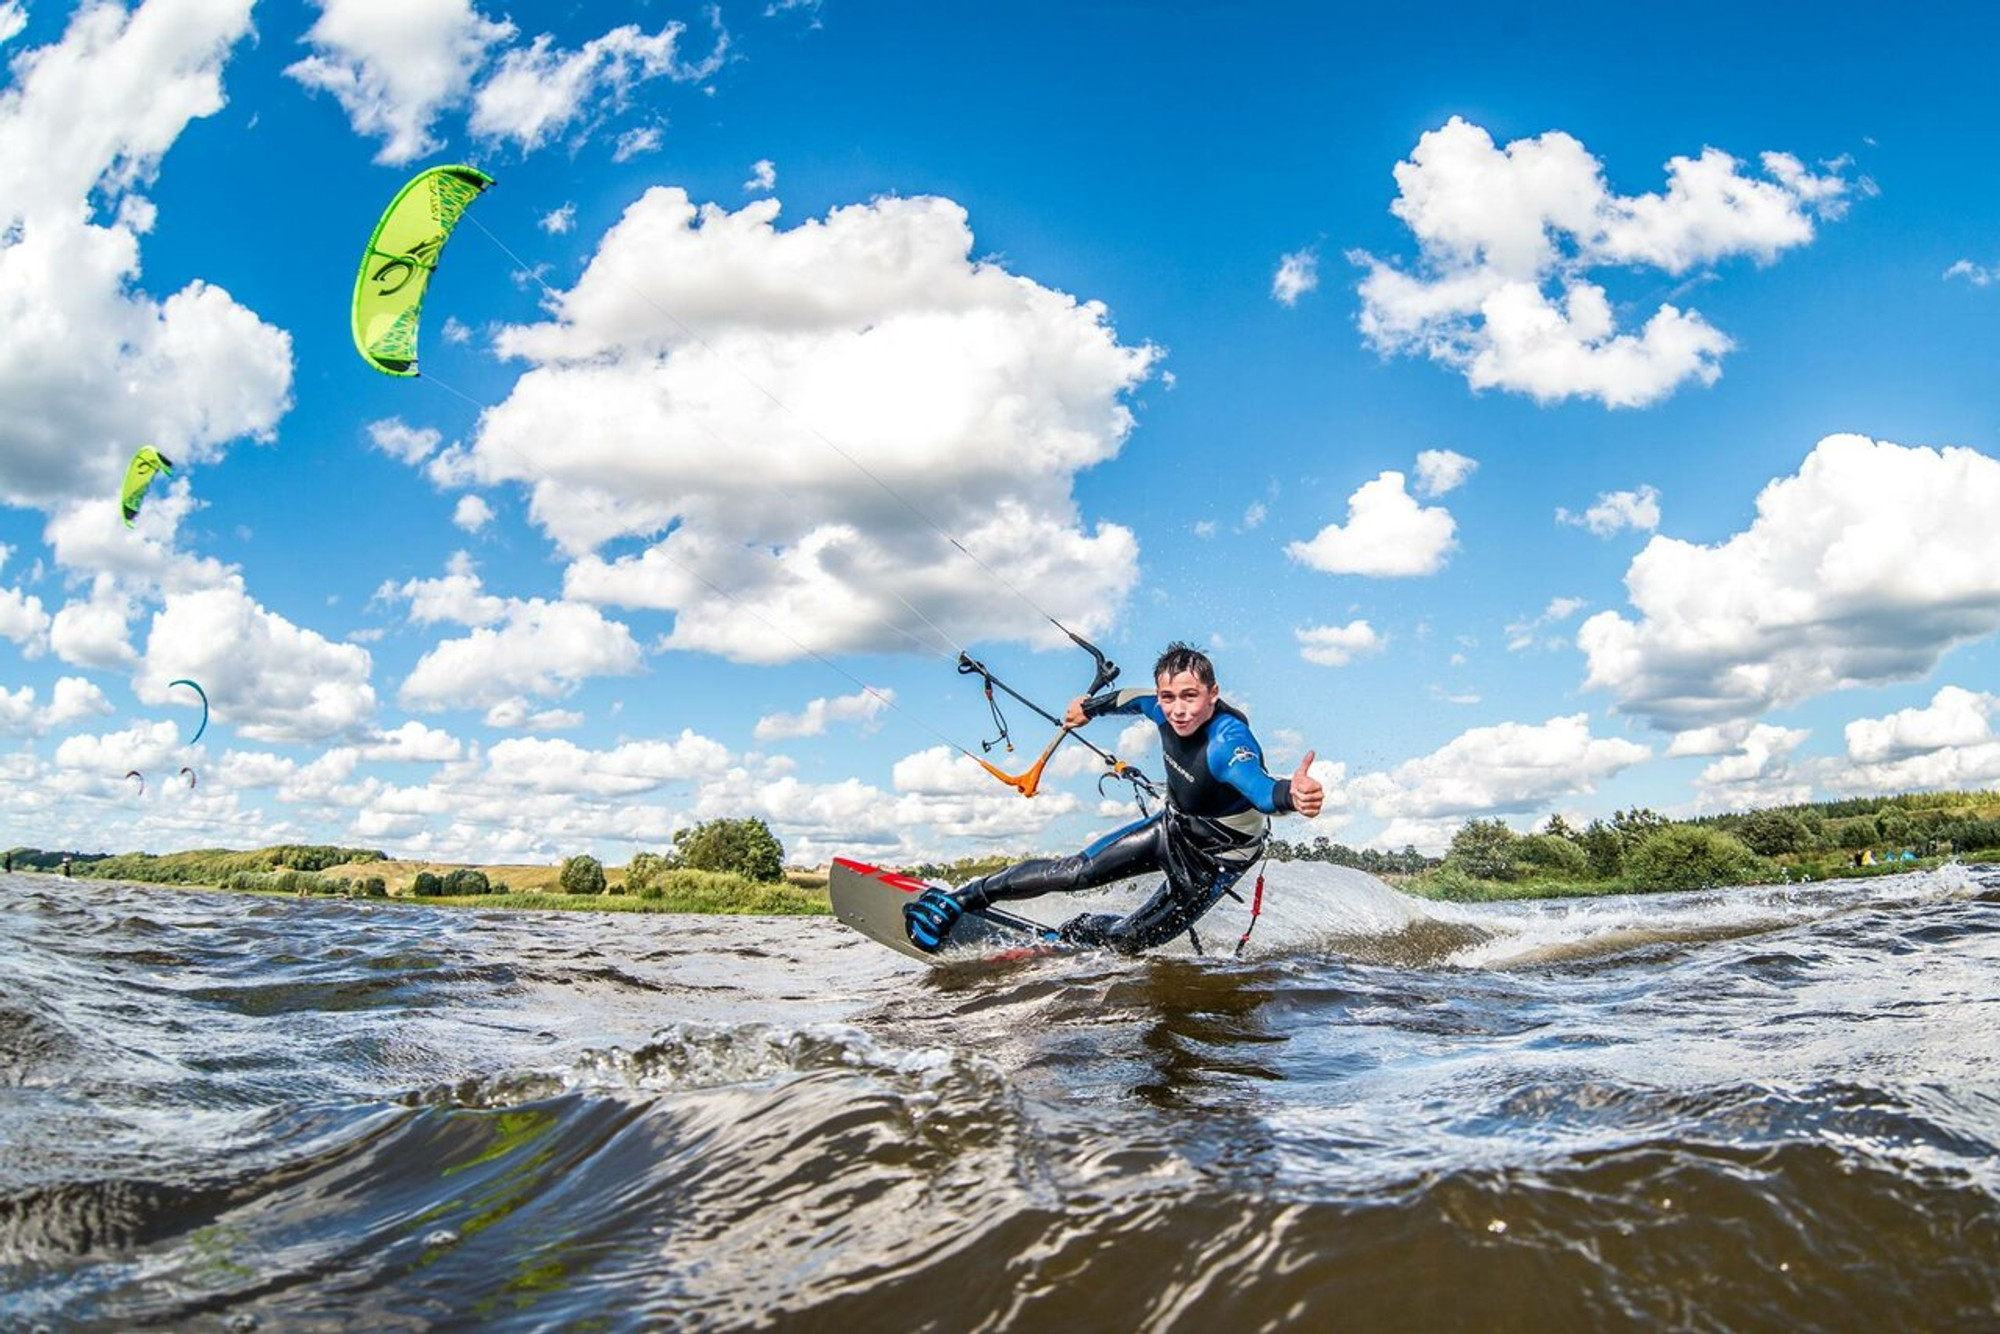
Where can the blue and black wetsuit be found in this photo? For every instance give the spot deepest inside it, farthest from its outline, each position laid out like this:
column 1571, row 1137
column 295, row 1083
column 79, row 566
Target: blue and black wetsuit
column 1210, row 831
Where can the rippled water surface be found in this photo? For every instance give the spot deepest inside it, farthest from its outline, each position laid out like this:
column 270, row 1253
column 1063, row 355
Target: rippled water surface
column 1747, row 1109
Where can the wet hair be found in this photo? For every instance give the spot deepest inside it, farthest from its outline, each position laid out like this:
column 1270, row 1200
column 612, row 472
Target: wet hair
column 1180, row 658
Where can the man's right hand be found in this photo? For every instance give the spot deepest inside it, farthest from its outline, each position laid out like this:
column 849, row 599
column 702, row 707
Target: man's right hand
column 1073, row 716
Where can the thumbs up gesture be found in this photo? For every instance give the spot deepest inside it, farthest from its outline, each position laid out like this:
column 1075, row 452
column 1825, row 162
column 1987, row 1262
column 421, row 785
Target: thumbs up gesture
column 1307, row 793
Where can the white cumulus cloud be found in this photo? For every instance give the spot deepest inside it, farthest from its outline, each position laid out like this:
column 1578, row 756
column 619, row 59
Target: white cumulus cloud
column 1387, row 534
column 1507, row 238
column 1298, row 273
column 863, row 709
column 863, row 351
column 1615, row 510
column 1507, row 769
column 83, row 129
column 1338, row 645
column 395, row 66
column 1442, row 470
column 1861, row 569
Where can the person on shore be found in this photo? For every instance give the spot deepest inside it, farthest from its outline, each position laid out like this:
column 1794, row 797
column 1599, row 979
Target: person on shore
column 1209, row 832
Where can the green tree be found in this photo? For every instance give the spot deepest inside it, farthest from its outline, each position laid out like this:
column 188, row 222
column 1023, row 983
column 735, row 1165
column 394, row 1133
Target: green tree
column 582, row 874
column 1635, row 825
column 1689, row 857
column 646, row 871
column 1774, row 833
column 1557, row 827
column 466, row 880
column 1893, row 825
column 1603, row 850
column 1550, row 854
column 746, row 847
column 427, row 885
column 1483, row 849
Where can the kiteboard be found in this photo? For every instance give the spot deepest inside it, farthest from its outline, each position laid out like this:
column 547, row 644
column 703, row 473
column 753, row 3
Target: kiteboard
column 871, row 900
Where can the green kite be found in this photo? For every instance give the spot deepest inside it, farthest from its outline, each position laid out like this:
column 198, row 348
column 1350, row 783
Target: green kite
column 401, row 256
column 139, row 475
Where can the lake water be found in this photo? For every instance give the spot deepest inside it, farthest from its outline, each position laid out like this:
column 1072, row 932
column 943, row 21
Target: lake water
column 1745, row 1109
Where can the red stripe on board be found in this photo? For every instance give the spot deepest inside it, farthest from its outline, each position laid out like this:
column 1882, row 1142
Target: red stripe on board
column 890, row 878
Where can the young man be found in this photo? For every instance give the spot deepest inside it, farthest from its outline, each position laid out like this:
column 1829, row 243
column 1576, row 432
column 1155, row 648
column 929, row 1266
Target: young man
column 1210, row 831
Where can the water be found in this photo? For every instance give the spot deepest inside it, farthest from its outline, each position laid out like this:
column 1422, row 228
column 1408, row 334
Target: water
column 1747, row 1109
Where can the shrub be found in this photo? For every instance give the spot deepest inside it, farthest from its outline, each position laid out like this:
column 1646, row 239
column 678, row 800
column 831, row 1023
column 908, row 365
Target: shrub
column 1689, row 857
column 427, row 885
column 582, row 874
column 1483, row 849
column 1774, row 833
column 375, row 887
column 1604, row 850
column 1550, row 854
column 644, row 872
column 743, row 847
column 466, row 880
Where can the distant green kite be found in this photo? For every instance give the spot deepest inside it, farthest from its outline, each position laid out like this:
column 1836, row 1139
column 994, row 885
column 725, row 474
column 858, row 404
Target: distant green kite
column 139, row 475
column 401, row 256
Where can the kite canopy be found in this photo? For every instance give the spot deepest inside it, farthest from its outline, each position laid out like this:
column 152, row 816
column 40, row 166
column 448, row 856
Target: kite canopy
column 204, row 707
column 139, row 474
column 134, row 773
column 396, row 268
column 188, row 774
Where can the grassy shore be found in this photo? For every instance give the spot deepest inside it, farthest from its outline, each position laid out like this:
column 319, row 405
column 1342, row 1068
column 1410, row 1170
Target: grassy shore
column 1444, row 883
column 269, row 872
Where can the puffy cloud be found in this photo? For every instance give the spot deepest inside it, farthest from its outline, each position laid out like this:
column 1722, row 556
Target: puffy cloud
column 459, row 596
column 1497, row 228
column 559, row 222
column 1442, row 470
column 1522, row 634
column 1863, row 568
column 1298, row 273
column 1948, row 744
column 74, row 698
column 556, row 766
column 396, row 65
column 763, row 177
column 269, row 679
column 13, row 18
column 23, row 621
column 1955, row 717
column 408, row 444
column 89, row 363
column 841, row 368
column 538, row 92
column 1638, row 510
column 543, row 648
column 1387, row 534
column 516, row 714
column 472, row 513
column 414, row 742
column 863, row 709
column 1508, row 769
column 95, row 632
column 1758, row 773
column 1338, row 645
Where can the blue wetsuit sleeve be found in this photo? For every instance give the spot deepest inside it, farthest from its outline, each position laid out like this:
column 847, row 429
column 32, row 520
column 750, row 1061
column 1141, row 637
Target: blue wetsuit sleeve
column 1235, row 758
column 1145, row 702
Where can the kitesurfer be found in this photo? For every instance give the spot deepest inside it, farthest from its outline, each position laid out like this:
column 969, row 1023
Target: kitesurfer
column 1209, row 832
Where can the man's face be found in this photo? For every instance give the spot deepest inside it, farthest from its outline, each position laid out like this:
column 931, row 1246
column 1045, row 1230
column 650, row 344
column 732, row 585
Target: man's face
column 1186, row 701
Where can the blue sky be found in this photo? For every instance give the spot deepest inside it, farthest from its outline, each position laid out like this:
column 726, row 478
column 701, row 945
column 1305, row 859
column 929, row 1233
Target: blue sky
column 1534, row 411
